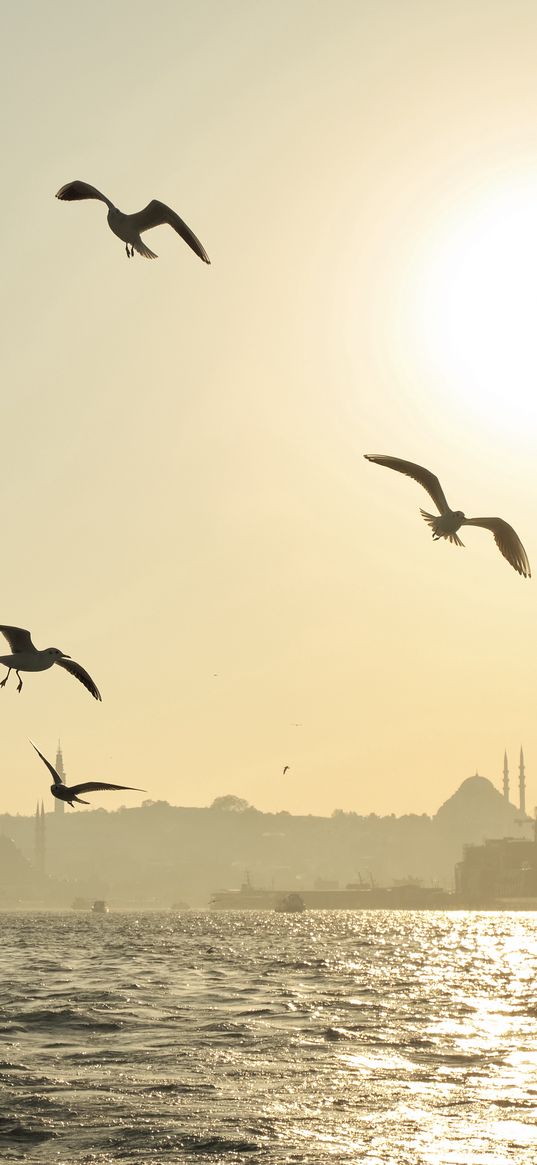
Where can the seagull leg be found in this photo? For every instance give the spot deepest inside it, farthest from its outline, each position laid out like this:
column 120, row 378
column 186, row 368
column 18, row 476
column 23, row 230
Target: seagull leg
column 5, row 679
column 127, row 250
column 19, row 685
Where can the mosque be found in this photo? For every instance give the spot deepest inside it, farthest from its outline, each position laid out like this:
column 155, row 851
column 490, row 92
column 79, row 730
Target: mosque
column 499, row 871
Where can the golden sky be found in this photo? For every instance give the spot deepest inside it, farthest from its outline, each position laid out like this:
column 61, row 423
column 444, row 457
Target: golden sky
column 186, row 508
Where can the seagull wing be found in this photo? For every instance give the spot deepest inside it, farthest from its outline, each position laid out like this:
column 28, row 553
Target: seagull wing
column 80, row 674
column 506, row 540
column 156, row 213
column 428, row 480
column 55, row 776
column 18, row 638
column 74, row 191
column 94, row 786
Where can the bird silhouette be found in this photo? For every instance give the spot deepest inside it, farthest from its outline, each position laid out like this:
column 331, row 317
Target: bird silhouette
column 70, row 793
column 129, row 227
column 286, row 769
column 26, row 657
column 447, row 522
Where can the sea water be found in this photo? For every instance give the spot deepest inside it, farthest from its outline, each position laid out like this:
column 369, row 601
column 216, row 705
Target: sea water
column 329, row 1036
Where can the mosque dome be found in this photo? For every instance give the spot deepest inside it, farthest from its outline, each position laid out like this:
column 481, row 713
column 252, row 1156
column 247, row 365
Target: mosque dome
column 478, row 810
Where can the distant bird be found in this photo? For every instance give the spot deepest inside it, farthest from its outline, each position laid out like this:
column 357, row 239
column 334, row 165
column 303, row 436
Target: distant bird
column 286, row 769
column 446, row 524
column 70, row 793
column 26, row 657
column 129, row 227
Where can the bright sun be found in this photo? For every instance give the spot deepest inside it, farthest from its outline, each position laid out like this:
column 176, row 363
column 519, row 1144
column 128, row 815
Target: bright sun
column 475, row 306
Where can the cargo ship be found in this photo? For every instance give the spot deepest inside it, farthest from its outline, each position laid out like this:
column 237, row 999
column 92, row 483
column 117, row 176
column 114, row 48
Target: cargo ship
column 353, row 897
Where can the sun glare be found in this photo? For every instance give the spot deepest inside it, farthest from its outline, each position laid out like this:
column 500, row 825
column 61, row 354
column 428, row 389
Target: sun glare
column 475, row 306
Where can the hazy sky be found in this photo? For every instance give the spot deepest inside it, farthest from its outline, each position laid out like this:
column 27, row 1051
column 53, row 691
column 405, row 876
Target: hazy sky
column 184, row 491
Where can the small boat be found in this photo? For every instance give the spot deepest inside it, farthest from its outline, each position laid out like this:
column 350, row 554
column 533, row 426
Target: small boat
column 290, row 904
column 99, row 906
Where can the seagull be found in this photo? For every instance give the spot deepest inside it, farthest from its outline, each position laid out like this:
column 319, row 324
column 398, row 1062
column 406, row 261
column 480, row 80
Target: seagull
column 446, row 524
column 129, row 227
column 70, row 793
column 26, row 657
column 285, row 770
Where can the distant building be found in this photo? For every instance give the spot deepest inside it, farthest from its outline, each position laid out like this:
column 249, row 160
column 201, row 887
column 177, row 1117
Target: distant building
column 477, row 810
column 495, row 868
column 502, row 868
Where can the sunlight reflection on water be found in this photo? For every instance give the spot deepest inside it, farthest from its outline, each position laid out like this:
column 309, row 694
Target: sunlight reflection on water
column 403, row 1038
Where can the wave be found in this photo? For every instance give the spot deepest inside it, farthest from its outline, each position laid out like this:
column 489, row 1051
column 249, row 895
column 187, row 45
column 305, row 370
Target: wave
column 70, row 1017
column 11, row 1129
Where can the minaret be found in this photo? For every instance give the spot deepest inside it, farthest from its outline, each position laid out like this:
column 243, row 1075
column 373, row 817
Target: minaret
column 522, row 784
column 59, row 806
column 505, row 777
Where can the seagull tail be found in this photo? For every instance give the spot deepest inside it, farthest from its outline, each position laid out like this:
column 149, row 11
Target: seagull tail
column 435, row 522
column 143, row 250
column 79, row 801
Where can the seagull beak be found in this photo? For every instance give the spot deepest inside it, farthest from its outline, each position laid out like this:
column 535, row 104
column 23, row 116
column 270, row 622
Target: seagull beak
column 65, row 655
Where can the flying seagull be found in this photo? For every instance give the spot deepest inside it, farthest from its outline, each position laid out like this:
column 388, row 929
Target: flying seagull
column 447, row 522
column 129, row 227
column 26, row 657
column 285, row 770
column 70, row 793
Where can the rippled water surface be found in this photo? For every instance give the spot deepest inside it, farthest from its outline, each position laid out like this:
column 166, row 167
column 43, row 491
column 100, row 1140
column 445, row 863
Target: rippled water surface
column 323, row 1037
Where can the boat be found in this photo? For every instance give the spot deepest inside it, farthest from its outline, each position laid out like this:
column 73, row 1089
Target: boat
column 99, row 906
column 290, row 904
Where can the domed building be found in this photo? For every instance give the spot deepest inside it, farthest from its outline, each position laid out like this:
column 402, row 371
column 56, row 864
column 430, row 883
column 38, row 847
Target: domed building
column 495, row 839
column 478, row 810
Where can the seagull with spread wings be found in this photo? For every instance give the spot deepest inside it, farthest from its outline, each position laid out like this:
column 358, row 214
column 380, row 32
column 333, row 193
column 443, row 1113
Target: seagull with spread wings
column 26, row 657
column 129, row 227
column 70, row 793
column 447, row 522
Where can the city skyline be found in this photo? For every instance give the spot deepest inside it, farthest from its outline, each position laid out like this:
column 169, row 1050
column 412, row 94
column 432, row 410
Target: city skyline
column 156, row 853
column 514, row 793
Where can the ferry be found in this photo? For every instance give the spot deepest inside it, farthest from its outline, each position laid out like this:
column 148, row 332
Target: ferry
column 290, row 904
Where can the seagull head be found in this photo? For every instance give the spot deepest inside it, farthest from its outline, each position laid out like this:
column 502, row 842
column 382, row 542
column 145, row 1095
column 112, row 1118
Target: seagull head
column 55, row 653
column 459, row 514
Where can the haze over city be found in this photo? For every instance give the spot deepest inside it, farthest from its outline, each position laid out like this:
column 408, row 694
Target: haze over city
column 186, row 507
